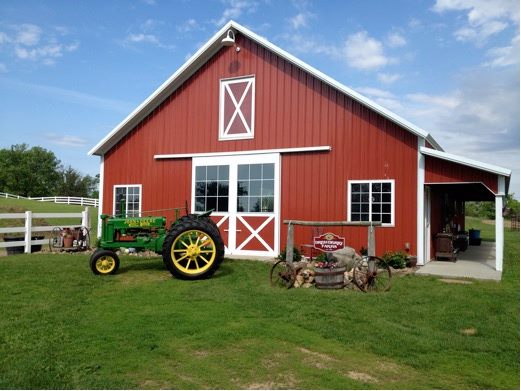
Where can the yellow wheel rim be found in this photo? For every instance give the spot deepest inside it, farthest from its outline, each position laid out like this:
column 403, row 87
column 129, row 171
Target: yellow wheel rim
column 105, row 264
column 193, row 252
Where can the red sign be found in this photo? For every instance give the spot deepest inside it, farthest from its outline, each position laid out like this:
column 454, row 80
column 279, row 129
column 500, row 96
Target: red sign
column 328, row 242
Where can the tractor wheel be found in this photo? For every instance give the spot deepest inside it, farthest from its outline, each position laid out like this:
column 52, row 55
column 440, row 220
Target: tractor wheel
column 193, row 249
column 192, row 216
column 104, row 262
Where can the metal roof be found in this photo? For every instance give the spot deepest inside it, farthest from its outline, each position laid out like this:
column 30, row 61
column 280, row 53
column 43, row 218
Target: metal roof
column 203, row 55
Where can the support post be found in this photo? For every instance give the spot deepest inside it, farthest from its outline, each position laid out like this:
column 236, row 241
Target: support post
column 499, row 233
column 85, row 218
column 371, row 247
column 28, row 229
column 289, row 244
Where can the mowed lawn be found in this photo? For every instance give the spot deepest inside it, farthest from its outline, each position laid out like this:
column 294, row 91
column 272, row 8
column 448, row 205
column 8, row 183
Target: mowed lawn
column 63, row 327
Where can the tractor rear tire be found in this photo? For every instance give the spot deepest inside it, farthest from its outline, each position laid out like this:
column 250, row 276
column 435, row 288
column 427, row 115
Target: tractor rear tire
column 193, row 249
column 104, row 262
column 192, row 216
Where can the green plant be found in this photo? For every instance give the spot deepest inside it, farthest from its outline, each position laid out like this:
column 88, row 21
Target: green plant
column 395, row 259
column 363, row 250
column 297, row 256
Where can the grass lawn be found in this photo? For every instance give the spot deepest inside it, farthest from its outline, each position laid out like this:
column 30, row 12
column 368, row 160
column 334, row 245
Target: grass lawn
column 62, row 327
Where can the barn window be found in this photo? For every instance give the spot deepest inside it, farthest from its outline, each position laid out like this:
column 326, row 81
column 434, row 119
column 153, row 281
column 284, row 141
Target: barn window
column 130, row 197
column 211, row 188
column 371, row 201
column 237, row 108
column 255, row 187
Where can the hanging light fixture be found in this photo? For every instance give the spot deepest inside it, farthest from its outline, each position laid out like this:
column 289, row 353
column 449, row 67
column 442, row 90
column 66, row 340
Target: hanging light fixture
column 229, row 40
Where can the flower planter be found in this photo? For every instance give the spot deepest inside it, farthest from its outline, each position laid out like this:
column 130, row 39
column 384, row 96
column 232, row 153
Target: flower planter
column 330, row 278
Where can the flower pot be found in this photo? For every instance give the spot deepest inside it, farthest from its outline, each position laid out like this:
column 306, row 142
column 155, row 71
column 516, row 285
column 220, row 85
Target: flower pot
column 67, row 241
column 330, row 278
column 411, row 261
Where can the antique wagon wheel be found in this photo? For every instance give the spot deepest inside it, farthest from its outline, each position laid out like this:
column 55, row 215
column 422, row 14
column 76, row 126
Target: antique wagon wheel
column 282, row 275
column 372, row 274
column 56, row 240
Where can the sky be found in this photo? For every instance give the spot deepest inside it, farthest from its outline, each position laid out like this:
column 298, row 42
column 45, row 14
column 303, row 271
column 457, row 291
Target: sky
column 70, row 71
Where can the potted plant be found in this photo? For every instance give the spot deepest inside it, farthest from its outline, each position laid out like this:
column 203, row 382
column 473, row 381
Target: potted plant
column 68, row 238
column 329, row 273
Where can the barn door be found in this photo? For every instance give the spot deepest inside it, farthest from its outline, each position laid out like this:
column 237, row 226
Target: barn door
column 244, row 192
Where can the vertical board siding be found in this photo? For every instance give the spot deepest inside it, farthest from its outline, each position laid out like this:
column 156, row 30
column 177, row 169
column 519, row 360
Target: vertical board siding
column 442, row 171
column 292, row 109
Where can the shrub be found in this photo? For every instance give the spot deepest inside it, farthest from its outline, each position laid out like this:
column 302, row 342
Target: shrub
column 297, row 256
column 395, row 259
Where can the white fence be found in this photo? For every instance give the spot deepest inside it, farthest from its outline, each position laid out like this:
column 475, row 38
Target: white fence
column 84, row 201
column 28, row 228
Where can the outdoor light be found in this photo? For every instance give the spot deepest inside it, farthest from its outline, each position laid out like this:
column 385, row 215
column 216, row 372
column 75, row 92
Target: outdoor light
column 407, row 246
column 229, row 40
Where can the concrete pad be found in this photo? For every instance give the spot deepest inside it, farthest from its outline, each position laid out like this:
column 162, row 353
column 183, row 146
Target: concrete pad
column 477, row 262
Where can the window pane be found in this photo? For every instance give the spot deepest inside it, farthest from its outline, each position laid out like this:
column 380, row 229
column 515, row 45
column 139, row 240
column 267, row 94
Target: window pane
column 223, row 188
column 199, row 204
column 268, row 171
column 255, row 188
column 255, row 171
column 375, row 217
column 355, row 187
column 267, row 204
column 211, row 188
column 386, row 198
column 386, row 219
column 242, row 188
column 200, row 189
column 386, row 208
column 224, row 173
column 211, row 203
column 355, row 216
column 386, row 187
column 243, row 172
column 254, row 204
column 355, row 208
column 364, row 187
column 222, row 204
column 365, row 208
column 211, row 173
column 376, row 187
column 364, row 217
column 200, row 173
column 377, row 197
column 267, row 187
column 242, row 204
column 355, row 197
column 365, row 197
column 376, row 208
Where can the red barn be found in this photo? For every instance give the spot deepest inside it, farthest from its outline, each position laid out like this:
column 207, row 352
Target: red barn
column 248, row 130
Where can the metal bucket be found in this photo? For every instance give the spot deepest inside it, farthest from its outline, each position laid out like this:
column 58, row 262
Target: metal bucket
column 333, row 278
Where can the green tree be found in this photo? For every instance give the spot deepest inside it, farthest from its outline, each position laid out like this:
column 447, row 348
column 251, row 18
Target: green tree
column 73, row 183
column 28, row 172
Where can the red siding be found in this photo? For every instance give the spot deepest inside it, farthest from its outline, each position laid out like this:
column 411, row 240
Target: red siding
column 441, row 171
column 292, row 109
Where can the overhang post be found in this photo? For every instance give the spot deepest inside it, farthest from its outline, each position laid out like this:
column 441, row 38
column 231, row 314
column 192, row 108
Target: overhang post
column 500, row 227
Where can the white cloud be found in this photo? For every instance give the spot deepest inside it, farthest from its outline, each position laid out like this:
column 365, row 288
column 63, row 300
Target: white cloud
column 300, row 20
column 66, row 140
column 188, row 25
column 28, row 34
column 363, row 52
column 450, row 101
column 484, row 17
column 234, row 9
column 384, row 98
column 396, row 40
column 306, row 44
column 388, row 78
column 504, row 56
column 142, row 38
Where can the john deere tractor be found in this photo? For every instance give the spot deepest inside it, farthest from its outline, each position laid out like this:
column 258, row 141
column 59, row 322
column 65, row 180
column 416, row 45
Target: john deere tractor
column 192, row 247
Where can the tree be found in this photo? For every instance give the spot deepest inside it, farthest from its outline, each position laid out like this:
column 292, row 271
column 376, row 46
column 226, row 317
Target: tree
column 28, row 172
column 73, row 183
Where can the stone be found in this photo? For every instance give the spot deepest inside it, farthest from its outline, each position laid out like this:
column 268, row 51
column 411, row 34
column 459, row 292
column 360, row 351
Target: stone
column 346, row 257
column 307, row 285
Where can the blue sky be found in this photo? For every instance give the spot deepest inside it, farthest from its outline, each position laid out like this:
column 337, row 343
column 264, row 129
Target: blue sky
column 70, row 71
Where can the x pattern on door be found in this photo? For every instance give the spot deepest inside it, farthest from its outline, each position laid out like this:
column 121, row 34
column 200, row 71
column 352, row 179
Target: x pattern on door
column 255, row 233
column 237, row 116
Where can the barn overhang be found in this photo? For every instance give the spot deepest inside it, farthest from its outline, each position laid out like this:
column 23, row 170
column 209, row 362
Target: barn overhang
column 461, row 179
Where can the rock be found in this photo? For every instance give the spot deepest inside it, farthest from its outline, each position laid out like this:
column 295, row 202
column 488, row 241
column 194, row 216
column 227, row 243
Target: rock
column 307, row 285
column 300, row 279
column 346, row 257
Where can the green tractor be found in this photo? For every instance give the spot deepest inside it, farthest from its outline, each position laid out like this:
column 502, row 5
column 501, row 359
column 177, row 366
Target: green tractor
column 192, row 247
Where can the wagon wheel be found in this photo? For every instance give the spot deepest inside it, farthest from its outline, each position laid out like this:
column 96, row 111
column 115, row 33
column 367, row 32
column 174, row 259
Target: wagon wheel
column 282, row 275
column 56, row 240
column 104, row 262
column 372, row 274
column 193, row 249
column 83, row 242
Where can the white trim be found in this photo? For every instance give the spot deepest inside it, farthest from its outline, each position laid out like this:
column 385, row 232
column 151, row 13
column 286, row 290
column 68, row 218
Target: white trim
column 204, row 54
column 223, row 87
column 420, row 205
column 500, row 239
column 100, row 195
column 126, row 200
column 242, row 153
column 466, row 162
column 370, row 182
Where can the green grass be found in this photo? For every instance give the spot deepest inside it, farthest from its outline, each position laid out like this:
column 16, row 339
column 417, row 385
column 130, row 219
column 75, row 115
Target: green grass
column 62, row 327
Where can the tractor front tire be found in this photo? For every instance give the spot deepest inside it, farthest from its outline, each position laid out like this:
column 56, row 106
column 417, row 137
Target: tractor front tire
column 104, row 262
column 193, row 249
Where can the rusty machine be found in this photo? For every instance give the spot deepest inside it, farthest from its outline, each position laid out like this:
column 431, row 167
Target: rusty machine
column 192, row 247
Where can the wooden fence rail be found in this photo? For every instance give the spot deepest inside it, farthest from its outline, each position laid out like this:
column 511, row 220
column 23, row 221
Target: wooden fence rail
column 28, row 228
column 83, row 201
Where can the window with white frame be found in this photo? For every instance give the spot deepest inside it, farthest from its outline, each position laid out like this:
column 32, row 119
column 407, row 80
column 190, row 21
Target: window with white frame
column 371, row 201
column 211, row 188
column 237, row 108
column 128, row 197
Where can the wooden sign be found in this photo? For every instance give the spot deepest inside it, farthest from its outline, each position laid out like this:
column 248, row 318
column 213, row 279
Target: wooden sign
column 328, row 242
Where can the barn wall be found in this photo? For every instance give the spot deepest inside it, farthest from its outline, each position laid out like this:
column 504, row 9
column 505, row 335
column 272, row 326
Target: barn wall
column 292, row 109
column 441, row 171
